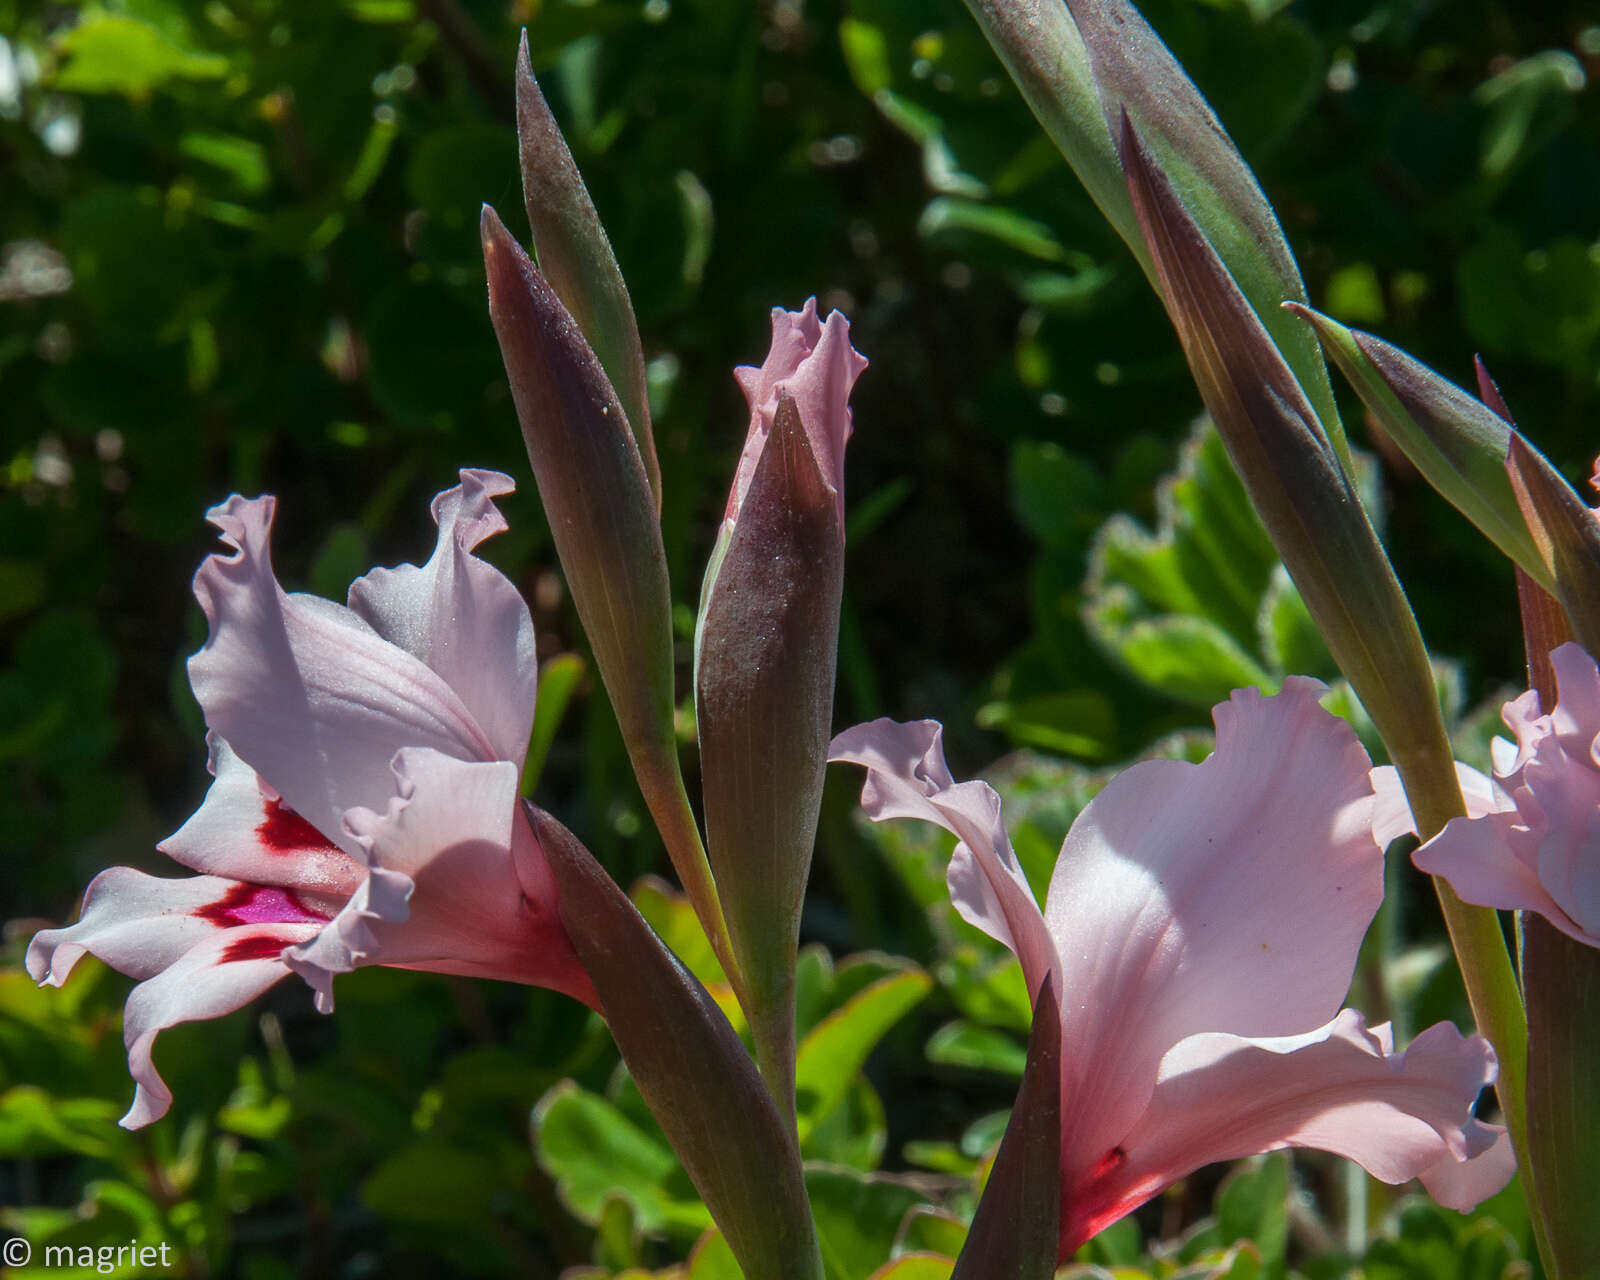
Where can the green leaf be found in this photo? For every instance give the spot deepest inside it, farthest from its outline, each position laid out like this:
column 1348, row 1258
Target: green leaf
column 450, row 167
column 1188, row 658
column 1083, row 66
column 109, row 54
column 916, row 1266
column 712, row 1259
column 1253, row 1204
column 243, row 159
column 1458, row 443
column 1057, row 495
column 965, row 1044
column 594, row 1152
column 1181, row 608
column 602, row 511
column 1290, row 640
column 833, row 1053
column 866, row 54
column 576, row 258
column 1521, row 99
column 858, row 1217
column 1540, row 303
column 342, row 558
column 559, row 678
column 36, row 1123
column 1076, row 722
column 690, row 1067
column 854, row 1133
column 932, row 1231
column 950, row 222
column 437, row 1183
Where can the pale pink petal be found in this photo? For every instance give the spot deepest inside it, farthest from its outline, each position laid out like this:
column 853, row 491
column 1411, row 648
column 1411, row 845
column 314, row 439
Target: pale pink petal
column 444, row 893
column 222, row 973
column 244, row 831
column 1577, row 715
column 814, row 363
column 1465, row 1184
column 306, row 692
column 1565, row 817
column 1220, row 1097
column 1529, row 725
column 1228, row 896
column 907, row 778
column 462, row 616
column 1481, row 861
column 140, row 924
column 1391, row 813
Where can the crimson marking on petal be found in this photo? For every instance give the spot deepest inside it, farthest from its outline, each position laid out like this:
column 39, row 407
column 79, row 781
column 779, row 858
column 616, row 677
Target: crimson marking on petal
column 253, row 904
column 285, row 831
column 1107, row 1163
column 261, row 946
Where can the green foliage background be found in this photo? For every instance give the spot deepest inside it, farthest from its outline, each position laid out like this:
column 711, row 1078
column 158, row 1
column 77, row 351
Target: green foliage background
column 238, row 252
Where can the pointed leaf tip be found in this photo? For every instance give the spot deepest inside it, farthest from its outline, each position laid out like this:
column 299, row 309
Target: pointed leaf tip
column 1080, row 64
column 1293, row 474
column 602, row 516
column 1457, row 443
column 1016, row 1231
column 1566, row 533
column 576, row 257
column 690, row 1066
column 1489, row 390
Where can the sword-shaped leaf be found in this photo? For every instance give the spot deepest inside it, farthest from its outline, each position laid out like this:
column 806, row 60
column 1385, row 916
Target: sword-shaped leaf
column 1566, row 534
column 1304, row 497
column 602, row 515
column 691, row 1068
column 1015, row 1233
column 575, row 257
column 1458, row 443
column 1082, row 65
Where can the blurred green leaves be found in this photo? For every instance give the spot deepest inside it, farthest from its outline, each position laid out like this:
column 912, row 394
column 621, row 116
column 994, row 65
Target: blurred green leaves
column 109, row 54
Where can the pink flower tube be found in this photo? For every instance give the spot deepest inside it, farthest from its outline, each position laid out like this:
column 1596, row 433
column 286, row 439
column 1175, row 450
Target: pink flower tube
column 364, row 809
column 1201, row 929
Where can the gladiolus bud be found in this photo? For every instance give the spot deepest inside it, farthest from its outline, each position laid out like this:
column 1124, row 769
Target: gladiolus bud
column 765, row 654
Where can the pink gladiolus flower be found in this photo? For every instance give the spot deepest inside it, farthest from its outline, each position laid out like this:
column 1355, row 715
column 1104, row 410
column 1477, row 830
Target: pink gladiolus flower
column 1529, row 840
column 1201, row 930
column 815, row 363
column 365, row 808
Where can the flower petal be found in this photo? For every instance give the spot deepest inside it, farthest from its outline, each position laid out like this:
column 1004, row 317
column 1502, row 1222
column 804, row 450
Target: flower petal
column 462, row 616
column 140, row 924
column 907, row 778
column 222, row 973
column 815, row 363
column 1391, row 814
column 1482, row 862
column 1464, row 1184
column 304, row 690
column 244, row 831
column 444, row 893
column 1339, row 1089
column 1228, row 896
column 1577, row 715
